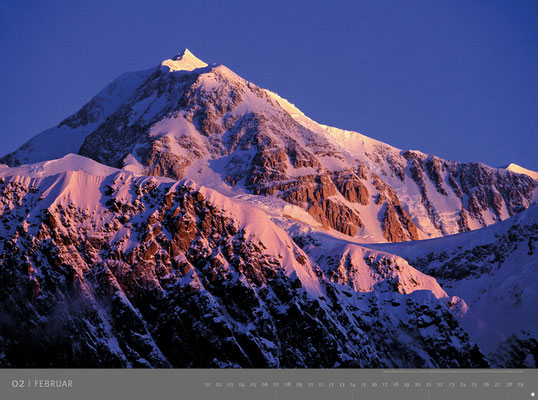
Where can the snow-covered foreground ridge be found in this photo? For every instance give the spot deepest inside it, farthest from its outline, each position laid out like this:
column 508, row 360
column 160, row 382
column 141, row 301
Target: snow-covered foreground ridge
column 185, row 217
column 185, row 119
column 147, row 271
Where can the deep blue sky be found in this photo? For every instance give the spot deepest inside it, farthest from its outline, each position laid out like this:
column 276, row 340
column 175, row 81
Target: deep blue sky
column 458, row 79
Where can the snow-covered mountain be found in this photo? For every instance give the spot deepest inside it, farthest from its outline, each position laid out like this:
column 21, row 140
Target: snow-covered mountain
column 103, row 267
column 186, row 217
column 187, row 119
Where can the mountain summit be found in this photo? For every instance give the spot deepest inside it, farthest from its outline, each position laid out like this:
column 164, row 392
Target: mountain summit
column 184, row 61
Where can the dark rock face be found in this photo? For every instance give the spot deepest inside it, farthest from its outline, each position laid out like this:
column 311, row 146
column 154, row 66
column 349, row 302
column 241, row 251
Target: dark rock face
column 487, row 187
column 115, row 133
column 396, row 224
column 312, row 193
column 169, row 279
column 416, row 167
column 482, row 187
column 350, row 186
column 392, row 227
column 434, row 168
column 118, row 135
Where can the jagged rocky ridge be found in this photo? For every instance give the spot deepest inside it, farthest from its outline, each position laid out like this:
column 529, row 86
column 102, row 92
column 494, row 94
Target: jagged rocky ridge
column 185, row 119
column 104, row 268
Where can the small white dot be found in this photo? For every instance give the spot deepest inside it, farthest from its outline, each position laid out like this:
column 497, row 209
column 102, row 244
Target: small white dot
column 533, row 394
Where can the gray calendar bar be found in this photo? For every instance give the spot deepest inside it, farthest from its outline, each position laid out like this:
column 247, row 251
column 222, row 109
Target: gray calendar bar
column 333, row 384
